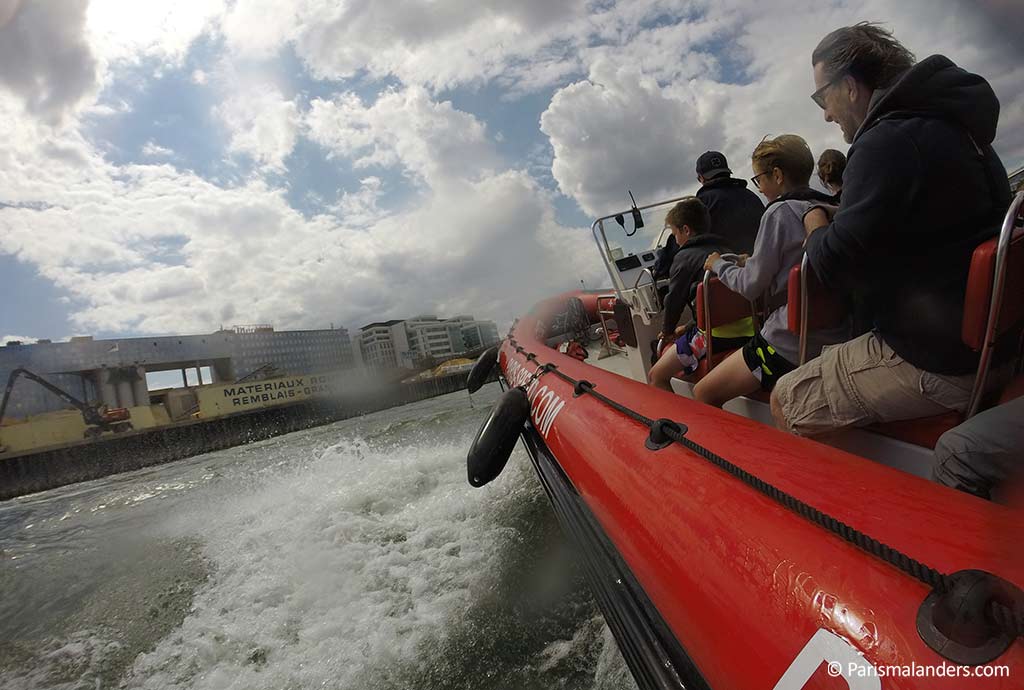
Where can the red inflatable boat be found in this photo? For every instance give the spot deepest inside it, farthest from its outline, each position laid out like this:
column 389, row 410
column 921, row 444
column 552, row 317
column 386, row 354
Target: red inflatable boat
column 727, row 554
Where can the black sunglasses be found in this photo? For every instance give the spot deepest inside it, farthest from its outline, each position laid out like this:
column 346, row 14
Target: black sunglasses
column 755, row 178
column 819, row 95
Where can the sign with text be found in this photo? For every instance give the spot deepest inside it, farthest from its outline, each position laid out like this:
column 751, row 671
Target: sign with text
column 229, row 398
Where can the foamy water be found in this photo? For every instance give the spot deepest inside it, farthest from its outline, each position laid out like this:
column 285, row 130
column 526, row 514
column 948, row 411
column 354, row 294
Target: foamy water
column 349, row 556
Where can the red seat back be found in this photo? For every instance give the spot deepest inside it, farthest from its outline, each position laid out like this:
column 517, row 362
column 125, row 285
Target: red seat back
column 726, row 306
column 979, row 291
column 924, row 431
column 977, row 304
column 825, row 310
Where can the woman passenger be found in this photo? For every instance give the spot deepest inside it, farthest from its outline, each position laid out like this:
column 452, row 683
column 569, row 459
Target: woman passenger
column 831, row 165
column 783, row 168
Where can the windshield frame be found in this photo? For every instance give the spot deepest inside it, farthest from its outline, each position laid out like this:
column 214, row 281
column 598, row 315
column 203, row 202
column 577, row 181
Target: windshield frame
column 604, row 249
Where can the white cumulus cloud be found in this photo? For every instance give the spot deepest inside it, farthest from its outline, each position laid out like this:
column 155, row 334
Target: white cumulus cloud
column 23, row 339
column 620, row 121
column 477, row 240
column 124, row 30
column 429, row 140
column 263, row 124
column 637, row 122
column 438, row 44
column 153, row 150
column 639, row 90
column 44, row 58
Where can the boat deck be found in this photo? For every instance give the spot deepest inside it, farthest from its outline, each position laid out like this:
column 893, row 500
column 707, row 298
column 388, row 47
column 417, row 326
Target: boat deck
column 616, row 362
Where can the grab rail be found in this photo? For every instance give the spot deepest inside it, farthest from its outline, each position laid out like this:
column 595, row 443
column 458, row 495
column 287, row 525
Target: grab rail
column 998, row 284
column 601, row 313
column 654, row 289
column 804, row 309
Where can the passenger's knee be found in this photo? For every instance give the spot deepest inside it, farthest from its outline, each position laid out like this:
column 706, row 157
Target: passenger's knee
column 700, row 392
column 660, row 378
column 952, row 453
column 941, row 470
column 705, row 394
column 778, row 414
column 954, row 466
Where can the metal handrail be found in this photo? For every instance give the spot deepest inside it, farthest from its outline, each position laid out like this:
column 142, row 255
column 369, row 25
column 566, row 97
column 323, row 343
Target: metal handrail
column 759, row 311
column 614, row 275
column 709, row 322
column 805, row 309
column 654, row 284
column 649, row 272
column 998, row 283
column 601, row 313
column 643, row 208
column 706, row 298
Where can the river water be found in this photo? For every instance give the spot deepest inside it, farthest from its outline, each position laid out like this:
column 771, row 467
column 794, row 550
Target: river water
column 353, row 555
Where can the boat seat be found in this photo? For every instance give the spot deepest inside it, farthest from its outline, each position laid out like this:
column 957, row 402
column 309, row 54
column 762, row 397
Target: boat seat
column 923, row 432
column 825, row 309
column 926, row 431
column 985, row 321
column 717, row 306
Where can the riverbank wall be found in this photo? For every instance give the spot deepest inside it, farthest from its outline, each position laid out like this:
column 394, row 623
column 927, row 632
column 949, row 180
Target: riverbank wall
column 49, row 468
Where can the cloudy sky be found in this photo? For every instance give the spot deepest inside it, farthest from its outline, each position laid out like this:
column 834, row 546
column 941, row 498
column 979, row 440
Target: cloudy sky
column 171, row 167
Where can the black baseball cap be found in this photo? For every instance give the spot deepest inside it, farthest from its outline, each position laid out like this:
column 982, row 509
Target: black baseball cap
column 712, row 164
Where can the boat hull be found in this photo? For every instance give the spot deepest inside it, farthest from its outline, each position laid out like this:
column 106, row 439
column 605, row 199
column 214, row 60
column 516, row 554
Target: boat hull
column 743, row 584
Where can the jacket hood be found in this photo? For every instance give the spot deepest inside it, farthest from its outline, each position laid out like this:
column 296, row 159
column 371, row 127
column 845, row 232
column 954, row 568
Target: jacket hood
column 937, row 87
column 724, row 181
column 804, row 194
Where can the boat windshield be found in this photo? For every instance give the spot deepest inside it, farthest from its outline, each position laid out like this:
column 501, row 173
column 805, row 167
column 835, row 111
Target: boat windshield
column 627, row 251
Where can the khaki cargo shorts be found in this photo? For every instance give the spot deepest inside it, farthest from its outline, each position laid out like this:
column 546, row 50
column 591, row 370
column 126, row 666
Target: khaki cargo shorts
column 862, row 382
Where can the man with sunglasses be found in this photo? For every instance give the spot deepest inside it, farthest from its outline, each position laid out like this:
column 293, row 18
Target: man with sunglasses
column 922, row 188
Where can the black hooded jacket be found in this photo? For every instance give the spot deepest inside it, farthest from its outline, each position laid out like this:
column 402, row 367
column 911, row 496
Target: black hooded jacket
column 735, row 211
column 663, row 264
column 922, row 188
column 687, row 270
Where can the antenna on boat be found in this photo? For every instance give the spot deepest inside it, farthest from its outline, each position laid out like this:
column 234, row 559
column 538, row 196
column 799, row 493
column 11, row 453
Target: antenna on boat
column 638, row 219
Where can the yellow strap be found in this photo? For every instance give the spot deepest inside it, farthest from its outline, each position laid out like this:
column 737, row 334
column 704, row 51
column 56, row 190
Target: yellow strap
column 743, row 328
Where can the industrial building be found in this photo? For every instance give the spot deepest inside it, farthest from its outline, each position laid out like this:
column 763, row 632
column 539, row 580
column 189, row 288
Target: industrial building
column 290, row 352
column 378, row 343
column 477, row 334
column 405, row 343
column 114, row 371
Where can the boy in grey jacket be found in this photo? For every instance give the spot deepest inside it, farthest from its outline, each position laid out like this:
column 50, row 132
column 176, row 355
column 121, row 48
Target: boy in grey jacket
column 783, row 168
